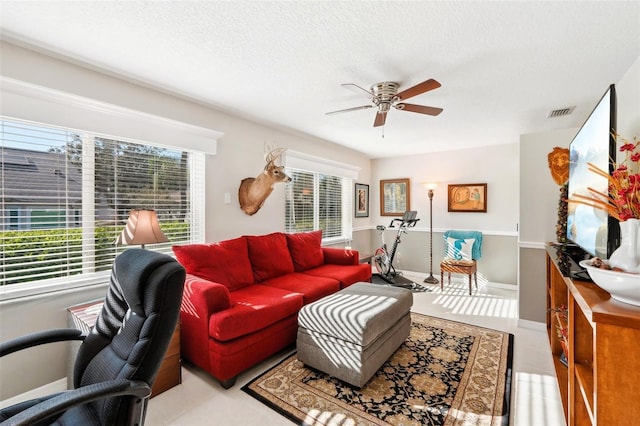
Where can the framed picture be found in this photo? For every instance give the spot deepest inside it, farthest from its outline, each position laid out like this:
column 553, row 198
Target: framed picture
column 468, row 197
column 361, row 200
column 395, row 197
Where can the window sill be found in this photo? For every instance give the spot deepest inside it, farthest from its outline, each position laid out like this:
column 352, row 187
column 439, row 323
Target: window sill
column 16, row 292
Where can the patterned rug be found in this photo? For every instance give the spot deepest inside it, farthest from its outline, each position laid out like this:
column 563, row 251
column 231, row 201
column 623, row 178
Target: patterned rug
column 446, row 373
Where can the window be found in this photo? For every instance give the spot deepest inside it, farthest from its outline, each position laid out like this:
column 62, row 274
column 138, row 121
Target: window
column 315, row 201
column 318, row 196
column 65, row 195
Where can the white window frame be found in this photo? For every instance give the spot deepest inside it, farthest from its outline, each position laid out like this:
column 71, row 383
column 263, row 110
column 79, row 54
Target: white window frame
column 49, row 107
column 88, row 276
column 318, row 165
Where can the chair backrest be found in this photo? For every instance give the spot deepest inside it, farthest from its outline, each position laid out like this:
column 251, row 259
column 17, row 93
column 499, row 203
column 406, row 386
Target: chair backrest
column 476, row 248
column 133, row 331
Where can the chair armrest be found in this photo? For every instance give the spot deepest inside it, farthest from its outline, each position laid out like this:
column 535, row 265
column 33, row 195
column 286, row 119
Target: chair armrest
column 40, row 338
column 65, row 400
column 339, row 256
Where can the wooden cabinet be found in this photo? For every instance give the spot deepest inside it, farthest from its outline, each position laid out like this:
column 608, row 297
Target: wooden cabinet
column 557, row 298
column 600, row 384
column 170, row 373
column 84, row 316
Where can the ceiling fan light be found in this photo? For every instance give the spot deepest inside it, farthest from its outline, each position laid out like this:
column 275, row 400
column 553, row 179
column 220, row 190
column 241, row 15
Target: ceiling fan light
column 384, row 106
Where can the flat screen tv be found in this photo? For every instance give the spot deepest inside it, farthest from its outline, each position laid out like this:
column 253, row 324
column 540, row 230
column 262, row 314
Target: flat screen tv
column 592, row 229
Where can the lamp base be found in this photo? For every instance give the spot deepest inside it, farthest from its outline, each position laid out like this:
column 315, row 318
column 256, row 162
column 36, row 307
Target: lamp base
column 431, row 280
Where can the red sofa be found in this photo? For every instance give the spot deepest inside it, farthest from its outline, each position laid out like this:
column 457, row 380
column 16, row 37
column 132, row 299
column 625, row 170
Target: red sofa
column 242, row 296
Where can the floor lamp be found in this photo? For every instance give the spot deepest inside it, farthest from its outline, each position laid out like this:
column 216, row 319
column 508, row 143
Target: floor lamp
column 430, row 279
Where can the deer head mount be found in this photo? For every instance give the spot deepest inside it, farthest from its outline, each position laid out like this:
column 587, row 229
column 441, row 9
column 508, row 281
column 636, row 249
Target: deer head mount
column 254, row 191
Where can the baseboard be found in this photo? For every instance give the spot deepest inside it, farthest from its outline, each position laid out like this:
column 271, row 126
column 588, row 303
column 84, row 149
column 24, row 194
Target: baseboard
column 49, row 388
column 503, row 286
column 532, row 325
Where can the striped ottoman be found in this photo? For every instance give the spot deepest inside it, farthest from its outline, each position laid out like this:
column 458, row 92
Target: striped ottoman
column 351, row 333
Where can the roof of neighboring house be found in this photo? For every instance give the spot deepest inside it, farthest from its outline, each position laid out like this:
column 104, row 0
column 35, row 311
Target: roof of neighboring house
column 39, row 178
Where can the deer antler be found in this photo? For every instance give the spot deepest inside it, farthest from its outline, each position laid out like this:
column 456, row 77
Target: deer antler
column 273, row 155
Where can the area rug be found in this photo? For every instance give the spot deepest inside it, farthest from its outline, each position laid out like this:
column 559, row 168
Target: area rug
column 446, row 373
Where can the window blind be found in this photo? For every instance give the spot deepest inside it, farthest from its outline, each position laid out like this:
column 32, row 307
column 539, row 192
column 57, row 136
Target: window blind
column 66, row 195
column 316, row 201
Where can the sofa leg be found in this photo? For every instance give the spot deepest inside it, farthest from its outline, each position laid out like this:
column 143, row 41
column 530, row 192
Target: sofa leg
column 228, row 383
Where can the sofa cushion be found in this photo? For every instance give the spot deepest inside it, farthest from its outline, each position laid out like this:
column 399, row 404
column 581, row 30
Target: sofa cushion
column 305, row 249
column 269, row 256
column 225, row 262
column 253, row 308
column 346, row 274
column 312, row 288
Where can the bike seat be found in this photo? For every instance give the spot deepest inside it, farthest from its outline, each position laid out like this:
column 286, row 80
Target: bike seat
column 381, row 227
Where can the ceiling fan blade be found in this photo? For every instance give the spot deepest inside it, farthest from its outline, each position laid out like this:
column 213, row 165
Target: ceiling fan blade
column 381, row 117
column 418, row 89
column 368, row 92
column 349, row 109
column 421, row 109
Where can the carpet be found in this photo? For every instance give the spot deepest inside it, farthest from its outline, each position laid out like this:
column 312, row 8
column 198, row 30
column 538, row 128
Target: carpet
column 446, row 373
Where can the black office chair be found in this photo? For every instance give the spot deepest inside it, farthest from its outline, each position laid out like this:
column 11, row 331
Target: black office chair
column 119, row 359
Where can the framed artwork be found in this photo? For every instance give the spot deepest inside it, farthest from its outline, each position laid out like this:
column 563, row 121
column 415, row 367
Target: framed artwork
column 395, row 197
column 468, row 197
column 361, row 200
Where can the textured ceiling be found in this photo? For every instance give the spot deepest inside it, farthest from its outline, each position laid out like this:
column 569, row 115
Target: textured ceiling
column 502, row 65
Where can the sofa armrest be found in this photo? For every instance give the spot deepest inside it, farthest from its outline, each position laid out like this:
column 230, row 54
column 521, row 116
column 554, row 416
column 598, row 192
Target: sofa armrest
column 340, row 256
column 201, row 298
column 204, row 297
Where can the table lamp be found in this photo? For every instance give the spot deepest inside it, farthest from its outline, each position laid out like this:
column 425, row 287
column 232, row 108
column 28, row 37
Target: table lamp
column 142, row 228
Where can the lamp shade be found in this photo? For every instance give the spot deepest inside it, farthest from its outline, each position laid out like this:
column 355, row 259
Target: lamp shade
column 430, row 185
column 142, row 228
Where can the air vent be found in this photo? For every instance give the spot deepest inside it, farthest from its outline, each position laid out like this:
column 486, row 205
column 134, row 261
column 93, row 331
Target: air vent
column 560, row 112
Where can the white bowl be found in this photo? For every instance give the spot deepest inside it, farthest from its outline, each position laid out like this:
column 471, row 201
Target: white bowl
column 622, row 286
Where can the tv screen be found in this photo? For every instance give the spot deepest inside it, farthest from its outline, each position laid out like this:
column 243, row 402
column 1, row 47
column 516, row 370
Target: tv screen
column 590, row 228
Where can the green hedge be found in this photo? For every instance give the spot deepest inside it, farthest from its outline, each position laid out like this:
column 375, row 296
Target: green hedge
column 48, row 253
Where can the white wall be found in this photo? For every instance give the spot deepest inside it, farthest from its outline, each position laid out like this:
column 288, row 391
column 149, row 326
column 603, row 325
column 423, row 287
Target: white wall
column 628, row 93
column 539, row 194
column 240, row 155
column 497, row 166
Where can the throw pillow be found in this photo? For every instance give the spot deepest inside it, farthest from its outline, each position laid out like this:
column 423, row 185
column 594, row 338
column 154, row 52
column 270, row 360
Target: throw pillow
column 225, row 262
column 459, row 249
column 306, row 250
column 269, row 256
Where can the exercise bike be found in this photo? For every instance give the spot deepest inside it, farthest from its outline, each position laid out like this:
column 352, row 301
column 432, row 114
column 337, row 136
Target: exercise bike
column 383, row 260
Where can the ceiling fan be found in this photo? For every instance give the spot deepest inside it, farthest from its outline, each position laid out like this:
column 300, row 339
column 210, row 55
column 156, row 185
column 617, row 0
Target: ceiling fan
column 385, row 95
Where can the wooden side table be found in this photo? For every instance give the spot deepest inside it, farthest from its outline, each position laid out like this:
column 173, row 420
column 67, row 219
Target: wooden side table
column 84, row 316
column 459, row 267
